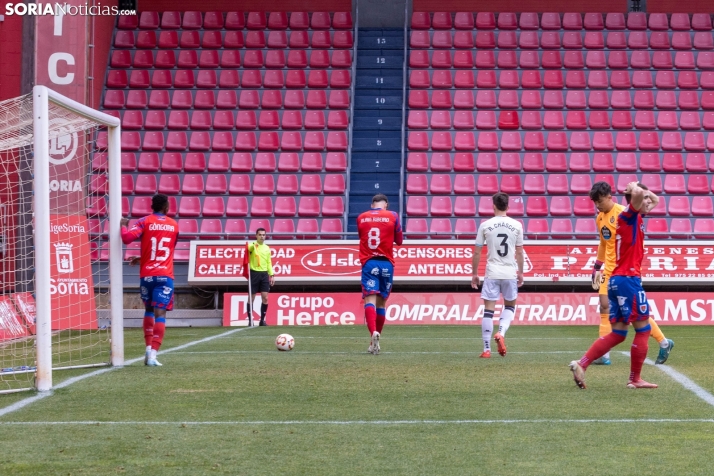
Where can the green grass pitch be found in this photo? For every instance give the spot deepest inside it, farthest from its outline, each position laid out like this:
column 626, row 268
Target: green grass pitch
column 426, row 405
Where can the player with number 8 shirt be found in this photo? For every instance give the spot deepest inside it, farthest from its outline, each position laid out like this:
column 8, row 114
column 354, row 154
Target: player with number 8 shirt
column 158, row 234
column 378, row 230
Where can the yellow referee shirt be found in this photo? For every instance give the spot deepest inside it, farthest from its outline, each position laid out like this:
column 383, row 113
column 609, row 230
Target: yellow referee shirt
column 607, row 227
column 260, row 258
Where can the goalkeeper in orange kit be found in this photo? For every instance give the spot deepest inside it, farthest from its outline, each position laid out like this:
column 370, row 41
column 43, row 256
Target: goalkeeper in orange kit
column 608, row 211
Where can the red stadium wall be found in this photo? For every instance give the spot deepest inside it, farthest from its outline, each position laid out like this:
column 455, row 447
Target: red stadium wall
column 677, row 6
column 247, row 6
column 10, row 55
column 522, row 6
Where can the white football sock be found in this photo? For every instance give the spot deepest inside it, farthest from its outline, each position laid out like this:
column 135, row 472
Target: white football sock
column 505, row 321
column 486, row 331
column 664, row 344
column 152, row 354
column 148, row 348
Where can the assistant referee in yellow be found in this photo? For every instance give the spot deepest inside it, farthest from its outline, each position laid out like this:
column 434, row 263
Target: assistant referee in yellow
column 261, row 273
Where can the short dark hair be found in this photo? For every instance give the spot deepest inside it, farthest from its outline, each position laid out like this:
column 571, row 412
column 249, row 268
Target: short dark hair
column 380, row 197
column 259, row 230
column 600, row 190
column 628, row 196
column 500, row 201
column 159, row 202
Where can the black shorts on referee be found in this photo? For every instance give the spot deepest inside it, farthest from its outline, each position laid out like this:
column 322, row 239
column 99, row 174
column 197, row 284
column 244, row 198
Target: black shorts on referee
column 259, row 282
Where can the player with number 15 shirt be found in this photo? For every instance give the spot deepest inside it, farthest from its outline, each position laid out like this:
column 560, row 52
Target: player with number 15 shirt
column 158, row 234
column 378, row 230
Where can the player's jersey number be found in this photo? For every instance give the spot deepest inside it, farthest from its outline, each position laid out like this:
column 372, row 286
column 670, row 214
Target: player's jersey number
column 503, row 251
column 373, row 238
column 159, row 250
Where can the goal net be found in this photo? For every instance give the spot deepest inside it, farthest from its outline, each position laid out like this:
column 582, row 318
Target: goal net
column 60, row 257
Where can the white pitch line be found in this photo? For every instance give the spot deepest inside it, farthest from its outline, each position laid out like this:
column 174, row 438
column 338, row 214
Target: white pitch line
column 360, row 422
column 426, row 338
column 66, row 383
column 683, row 380
column 358, row 353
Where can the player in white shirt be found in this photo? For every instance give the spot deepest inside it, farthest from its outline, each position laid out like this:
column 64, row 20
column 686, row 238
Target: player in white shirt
column 503, row 236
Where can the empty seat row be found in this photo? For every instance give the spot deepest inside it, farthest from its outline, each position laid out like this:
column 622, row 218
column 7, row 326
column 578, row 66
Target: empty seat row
column 227, row 99
column 232, row 59
column 215, row 20
column 534, row 184
column 234, row 206
column 231, row 78
column 559, row 228
column 222, row 162
column 555, row 79
column 466, row 228
column 305, row 206
column 555, row 99
column 233, row 39
column 552, row 21
column 560, row 141
column 235, row 184
column 227, row 141
column 558, row 162
column 242, row 120
column 461, row 206
column 553, row 59
column 574, row 119
column 596, row 40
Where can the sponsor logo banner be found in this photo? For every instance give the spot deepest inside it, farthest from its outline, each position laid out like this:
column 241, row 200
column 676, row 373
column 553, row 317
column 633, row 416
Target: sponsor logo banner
column 301, row 309
column 71, row 283
column 419, row 261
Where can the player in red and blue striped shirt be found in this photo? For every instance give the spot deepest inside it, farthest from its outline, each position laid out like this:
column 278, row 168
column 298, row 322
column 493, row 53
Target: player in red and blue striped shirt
column 628, row 301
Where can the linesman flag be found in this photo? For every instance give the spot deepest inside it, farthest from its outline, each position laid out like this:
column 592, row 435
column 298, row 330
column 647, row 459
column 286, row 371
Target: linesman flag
column 246, row 263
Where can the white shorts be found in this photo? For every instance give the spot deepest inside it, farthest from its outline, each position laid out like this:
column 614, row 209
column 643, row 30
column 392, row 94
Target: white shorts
column 493, row 288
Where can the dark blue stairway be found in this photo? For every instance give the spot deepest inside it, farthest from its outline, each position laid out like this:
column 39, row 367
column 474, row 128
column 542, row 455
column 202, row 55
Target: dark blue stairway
column 376, row 137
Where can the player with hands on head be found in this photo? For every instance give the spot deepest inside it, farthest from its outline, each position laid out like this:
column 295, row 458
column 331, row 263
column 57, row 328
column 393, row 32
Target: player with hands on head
column 379, row 229
column 628, row 301
column 503, row 237
column 606, row 222
column 158, row 234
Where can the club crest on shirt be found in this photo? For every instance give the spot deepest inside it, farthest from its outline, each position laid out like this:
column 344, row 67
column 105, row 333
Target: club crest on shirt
column 643, row 308
column 612, row 219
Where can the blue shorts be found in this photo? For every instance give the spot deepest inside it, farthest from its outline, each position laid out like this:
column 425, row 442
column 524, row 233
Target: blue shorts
column 377, row 276
column 158, row 292
column 628, row 301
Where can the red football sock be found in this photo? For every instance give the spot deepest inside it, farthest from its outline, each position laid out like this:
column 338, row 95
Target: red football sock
column 600, row 347
column 148, row 329
column 638, row 354
column 381, row 317
column 158, row 337
column 370, row 314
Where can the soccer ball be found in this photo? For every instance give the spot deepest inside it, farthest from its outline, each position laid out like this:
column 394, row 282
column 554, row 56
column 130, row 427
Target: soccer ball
column 285, row 342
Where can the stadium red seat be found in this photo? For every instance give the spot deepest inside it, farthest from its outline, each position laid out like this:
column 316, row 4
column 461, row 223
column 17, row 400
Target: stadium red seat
column 561, row 228
column 556, row 163
column 235, row 228
column 704, row 228
column 416, row 228
column 537, row 229
column 679, row 206
column 657, row 228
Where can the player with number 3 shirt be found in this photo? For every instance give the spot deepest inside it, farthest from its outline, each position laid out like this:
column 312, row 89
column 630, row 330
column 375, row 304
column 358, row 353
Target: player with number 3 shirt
column 158, row 234
column 378, row 230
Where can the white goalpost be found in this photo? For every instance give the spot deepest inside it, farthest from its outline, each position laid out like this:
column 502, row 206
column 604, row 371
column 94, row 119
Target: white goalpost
column 61, row 252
